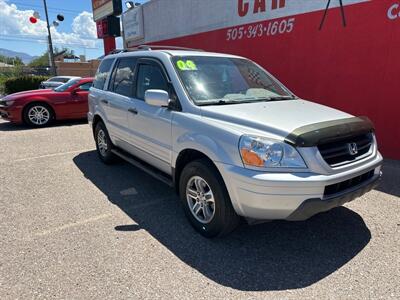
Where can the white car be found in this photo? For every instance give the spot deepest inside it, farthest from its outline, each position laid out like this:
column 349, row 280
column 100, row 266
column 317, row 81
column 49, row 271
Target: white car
column 229, row 137
column 56, row 81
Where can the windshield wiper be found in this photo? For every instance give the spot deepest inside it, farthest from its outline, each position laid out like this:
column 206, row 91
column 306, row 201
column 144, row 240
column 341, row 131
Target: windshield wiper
column 277, row 98
column 244, row 100
column 231, row 101
column 221, row 102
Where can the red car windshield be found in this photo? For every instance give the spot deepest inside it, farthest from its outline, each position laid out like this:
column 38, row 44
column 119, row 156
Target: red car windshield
column 66, row 86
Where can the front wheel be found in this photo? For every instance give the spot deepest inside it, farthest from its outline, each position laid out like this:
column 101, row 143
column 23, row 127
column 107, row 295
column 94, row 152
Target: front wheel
column 205, row 199
column 38, row 115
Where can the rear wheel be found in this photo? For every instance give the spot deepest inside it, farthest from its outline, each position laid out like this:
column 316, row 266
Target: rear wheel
column 205, row 199
column 103, row 144
column 38, row 115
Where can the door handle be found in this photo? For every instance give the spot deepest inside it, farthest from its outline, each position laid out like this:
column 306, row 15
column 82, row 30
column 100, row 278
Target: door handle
column 133, row 111
column 104, row 101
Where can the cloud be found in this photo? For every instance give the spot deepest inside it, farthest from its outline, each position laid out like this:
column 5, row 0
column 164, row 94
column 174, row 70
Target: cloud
column 84, row 25
column 14, row 23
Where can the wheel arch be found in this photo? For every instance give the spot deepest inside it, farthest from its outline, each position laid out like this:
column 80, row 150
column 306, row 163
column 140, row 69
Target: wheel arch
column 185, row 157
column 96, row 119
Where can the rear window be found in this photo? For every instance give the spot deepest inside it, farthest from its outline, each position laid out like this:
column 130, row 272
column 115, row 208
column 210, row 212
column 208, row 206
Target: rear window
column 102, row 73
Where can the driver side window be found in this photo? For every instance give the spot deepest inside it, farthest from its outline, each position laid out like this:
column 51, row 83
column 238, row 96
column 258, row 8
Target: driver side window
column 150, row 77
column 86, row 86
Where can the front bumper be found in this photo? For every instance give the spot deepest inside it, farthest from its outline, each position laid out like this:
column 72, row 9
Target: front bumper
column 292, row 196
column 314, row 206
column 11, row 113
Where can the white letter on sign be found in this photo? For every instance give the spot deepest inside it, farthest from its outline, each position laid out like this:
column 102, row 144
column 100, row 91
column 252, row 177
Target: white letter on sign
column 392, row 15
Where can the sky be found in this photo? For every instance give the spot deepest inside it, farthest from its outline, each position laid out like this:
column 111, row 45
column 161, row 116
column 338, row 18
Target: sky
column 77, row 31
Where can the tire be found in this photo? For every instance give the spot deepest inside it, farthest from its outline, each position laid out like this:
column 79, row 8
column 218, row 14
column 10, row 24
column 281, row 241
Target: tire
column 38, row 115
column 213, row 219
column 104, row 144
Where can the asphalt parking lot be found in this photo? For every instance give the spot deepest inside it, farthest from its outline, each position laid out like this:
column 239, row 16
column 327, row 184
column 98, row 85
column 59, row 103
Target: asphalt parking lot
column 73, row 228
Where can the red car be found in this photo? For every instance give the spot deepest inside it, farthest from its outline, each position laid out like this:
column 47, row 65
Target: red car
column 40, row 107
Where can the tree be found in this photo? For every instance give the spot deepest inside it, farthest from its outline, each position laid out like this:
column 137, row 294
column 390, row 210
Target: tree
column 43, row 60
column 15, row 61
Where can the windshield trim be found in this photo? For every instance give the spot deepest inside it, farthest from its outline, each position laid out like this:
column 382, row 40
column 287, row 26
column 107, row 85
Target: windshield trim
column 229, row 101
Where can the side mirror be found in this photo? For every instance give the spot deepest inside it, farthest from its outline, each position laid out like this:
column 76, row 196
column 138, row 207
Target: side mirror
column 157, row 98
column 75, row 91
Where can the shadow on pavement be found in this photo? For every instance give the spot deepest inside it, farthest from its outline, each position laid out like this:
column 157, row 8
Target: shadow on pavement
column 271, row 256
column 7, row 126
column 390, row 183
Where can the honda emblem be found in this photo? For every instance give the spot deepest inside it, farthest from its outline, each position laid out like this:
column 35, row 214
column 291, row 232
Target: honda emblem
column 353, row 149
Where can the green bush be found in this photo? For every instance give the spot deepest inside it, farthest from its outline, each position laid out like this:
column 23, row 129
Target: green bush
column 2, row 80
column 23, row 83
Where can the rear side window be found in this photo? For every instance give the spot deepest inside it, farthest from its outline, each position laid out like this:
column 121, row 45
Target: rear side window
column 123, row 77
column 150, row 77
column 102, row 73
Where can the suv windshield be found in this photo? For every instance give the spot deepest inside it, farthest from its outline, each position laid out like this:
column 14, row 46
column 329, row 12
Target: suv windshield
column 223, row 80
column 66, row 86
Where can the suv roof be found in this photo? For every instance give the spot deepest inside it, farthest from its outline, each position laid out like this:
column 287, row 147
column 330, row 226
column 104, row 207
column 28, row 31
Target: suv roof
column 169, row 50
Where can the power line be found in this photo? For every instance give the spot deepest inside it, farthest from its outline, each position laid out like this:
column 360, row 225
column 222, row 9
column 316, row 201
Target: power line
column 36, row 38
column 44, row 41
column 39, row 6
column 52, row 10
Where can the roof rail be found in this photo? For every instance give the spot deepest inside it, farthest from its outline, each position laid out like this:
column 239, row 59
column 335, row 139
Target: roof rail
column 160, row 47
column 116, row 51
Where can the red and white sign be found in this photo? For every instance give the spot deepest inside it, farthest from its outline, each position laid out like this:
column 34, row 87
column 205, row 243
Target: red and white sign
column 104, row 8
column 349, row 59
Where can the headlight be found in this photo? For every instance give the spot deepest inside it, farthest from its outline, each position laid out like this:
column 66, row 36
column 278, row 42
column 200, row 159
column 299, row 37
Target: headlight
column 266, row 153
column 9, row 102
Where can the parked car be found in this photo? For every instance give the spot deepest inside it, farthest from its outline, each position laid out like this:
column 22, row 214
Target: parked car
column 40, row 107
column 56, row 81
column 232, row 139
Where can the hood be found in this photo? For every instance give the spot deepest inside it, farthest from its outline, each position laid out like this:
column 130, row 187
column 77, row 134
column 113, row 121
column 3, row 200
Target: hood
column 27, row 93
column 275, row 117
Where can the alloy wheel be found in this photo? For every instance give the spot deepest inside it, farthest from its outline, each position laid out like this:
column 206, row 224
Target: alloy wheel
column 200, row 199
column 102, row 142
column 39, row 115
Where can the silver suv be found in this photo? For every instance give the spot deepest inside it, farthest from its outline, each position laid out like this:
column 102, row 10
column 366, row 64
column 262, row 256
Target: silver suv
column 230, row 138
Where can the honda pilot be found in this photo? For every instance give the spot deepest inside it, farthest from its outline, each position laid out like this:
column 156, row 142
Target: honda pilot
column 233, row 140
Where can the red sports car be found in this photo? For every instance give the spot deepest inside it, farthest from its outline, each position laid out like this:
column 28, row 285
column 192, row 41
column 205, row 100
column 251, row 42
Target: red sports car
column 40, row 107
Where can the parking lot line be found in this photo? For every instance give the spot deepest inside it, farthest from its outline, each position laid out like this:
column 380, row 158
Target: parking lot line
column 73, row 224
column 94, row 219
column 50, row 155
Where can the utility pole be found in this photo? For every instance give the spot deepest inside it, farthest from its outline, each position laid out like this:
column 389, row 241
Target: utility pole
column 50, row 43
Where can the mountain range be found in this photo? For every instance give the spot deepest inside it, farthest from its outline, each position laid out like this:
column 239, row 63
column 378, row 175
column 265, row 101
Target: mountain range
column 26, row 58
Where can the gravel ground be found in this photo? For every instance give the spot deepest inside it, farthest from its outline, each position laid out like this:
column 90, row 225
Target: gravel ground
column 73, row 228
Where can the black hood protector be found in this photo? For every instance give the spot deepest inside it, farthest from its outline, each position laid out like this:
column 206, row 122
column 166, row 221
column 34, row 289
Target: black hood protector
column 329, row 131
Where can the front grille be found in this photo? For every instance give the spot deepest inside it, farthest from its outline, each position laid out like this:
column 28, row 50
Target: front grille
column 344, row 185
column 338, row 153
